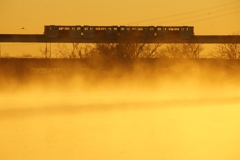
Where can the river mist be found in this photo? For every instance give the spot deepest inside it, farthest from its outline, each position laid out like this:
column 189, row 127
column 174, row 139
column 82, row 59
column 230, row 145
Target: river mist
column 176, row 109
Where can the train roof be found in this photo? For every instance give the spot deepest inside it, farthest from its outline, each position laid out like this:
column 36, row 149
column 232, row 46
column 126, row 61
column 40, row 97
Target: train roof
column 117, row 26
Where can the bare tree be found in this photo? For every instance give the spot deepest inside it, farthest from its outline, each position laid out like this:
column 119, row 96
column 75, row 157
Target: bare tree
column 152, row 51
column 105, row 50
column 45, row 51
column 65, row 51
column 131, row 50
column 174, row 51
column 126, row 50
column 136, row 47
column 188, row 50
column 192, row 50
column 86, row 51
column 228, row 51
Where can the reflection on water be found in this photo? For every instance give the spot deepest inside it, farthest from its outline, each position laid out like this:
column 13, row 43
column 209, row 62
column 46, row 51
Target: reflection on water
column 209, row 130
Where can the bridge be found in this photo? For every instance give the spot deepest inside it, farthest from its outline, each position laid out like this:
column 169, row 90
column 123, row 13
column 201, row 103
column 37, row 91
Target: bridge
column 41, row 38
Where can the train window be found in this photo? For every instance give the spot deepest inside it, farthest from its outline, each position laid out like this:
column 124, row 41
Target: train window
column 115, row 28
column 63, row 28
column 111, row 28
column 49, row 27
column 99, row 28
column 174, row 29
column 132, row 28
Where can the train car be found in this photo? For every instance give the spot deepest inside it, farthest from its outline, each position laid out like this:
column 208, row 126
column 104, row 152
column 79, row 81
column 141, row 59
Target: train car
column 113, row 32
column 63, row 31
column 151, row 32
column 75, row 32
column 167, row 31
column 88, row 31
column 100, row 31
column 51, row 31
column 137, row 31
column 184, row 32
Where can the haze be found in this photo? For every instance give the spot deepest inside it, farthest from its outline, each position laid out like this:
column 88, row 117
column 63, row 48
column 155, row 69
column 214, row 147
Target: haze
column 133, row 116
column 142, row 114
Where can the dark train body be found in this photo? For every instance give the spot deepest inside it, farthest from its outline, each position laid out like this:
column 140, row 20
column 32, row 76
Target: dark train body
column 113, row 32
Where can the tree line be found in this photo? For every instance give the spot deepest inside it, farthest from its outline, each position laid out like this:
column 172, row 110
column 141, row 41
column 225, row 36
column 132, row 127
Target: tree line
column 139, row 50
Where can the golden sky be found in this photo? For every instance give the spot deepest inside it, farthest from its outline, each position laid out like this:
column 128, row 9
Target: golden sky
column 189, row 131
column 207, row 16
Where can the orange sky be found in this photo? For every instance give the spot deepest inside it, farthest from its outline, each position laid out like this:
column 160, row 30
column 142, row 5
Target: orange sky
column 190, row 131
column 207, row 16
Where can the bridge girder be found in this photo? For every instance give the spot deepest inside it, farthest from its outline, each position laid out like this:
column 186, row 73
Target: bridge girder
column 40, row 38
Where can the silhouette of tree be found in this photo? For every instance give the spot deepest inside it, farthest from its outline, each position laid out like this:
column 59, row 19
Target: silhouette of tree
column 126, row 50
column 192, row 50
column 152, row 51
column 46, row 52
column 228, row 51
column 62, row 51
column 65, row 51
column 174, row 51
column 134, row 46
column 188, row 50
column 105, row 50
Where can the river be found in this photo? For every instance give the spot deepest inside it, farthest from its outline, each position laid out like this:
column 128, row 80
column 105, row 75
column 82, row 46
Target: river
column 106, row 125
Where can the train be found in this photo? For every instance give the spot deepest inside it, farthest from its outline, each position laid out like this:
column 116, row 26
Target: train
column 114, row 32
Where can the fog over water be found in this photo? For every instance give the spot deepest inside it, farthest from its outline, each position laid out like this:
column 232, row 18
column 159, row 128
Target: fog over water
column 142, row 115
